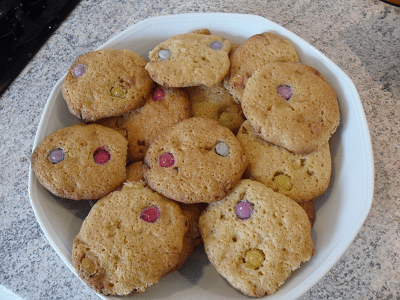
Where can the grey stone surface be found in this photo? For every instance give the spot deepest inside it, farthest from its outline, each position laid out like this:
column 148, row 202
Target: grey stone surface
column 361, row 37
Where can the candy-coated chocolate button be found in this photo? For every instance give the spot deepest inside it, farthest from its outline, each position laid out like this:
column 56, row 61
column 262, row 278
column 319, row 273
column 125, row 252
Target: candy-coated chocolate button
column 225, row 119
column 101, row 156
column 150, row 214
column 254, row 259
column 243, row 210
column 222, row 149
column 79, row 70
column 88, row 266
column 118, row 92
column 164, row 54
column 284, row 91
column 56, row 155
column 166, row 160
column 216, row 45
column 159, row 94
column 284, row 182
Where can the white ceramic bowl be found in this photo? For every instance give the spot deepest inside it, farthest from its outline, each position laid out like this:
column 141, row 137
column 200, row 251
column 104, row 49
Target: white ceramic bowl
column 340, row 212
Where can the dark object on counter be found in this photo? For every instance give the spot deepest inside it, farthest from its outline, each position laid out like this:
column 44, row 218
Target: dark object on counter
column 393, row 2
column 25, row 25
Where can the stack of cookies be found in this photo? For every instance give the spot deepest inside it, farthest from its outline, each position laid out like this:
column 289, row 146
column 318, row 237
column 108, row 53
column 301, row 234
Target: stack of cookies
column 207, row 143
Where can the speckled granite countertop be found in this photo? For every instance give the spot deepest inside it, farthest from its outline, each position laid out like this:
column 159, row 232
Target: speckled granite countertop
column 361, row 36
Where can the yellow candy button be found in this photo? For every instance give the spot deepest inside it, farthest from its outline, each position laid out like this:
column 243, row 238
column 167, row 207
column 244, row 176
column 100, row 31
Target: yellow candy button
column 254, row 259
column 283, row 182
column 225, row 119
column 88, row 266
column 118, row 92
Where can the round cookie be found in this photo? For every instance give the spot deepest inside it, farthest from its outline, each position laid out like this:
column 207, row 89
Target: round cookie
column 291, row 105
column 190, row 59
column 163, row 108
column 255, row 238
column 301, row 177
column 194, row 161
column 215, row 103
column 255, row 52
column 130, row 239
column 106, row 83
column 81, row 161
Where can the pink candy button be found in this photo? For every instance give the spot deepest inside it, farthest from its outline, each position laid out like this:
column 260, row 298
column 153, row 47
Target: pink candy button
column 284, row 91
column 150, row 214
column 243, row 210
column 166, row 160
column 101, row 156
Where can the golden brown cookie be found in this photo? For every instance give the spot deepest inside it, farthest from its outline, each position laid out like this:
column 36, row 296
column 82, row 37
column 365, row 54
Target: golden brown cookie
column 309, row 208
column 130, row 239
column 163, row 108
column 106, row 83
column 194, row 161
column 301, row 177
column 215, row 103
column 291, row 105
column 255, row 238
column 134, row 171
column 190, row 59
column 81, row 161
column 255, row 52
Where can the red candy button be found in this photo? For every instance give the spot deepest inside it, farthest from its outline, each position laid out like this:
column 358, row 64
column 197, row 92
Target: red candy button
column 166, row 160
column 158, row 95
column 150, row 214
column 243, row 210
column 101, row 156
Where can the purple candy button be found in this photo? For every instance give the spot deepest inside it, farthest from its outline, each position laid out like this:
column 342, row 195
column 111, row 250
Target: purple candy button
column 79, row 70
column 243, row 210
column 56, row 155
column 284, row 91
column 216, row 45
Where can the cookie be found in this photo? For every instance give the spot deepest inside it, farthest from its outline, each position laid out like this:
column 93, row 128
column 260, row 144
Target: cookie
column 202, row 31
column 190, row 59
column 130, row 239
column 291, row 105
column 193, row 238
column 215, row 103
column 134, row 171
column 255, row 238
column 163, row 108
column 206, row 31
column 81, row 161
column 301, row 177
column 309, row 208
column 256, row 51
column 106, row 83
column 194, row 161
